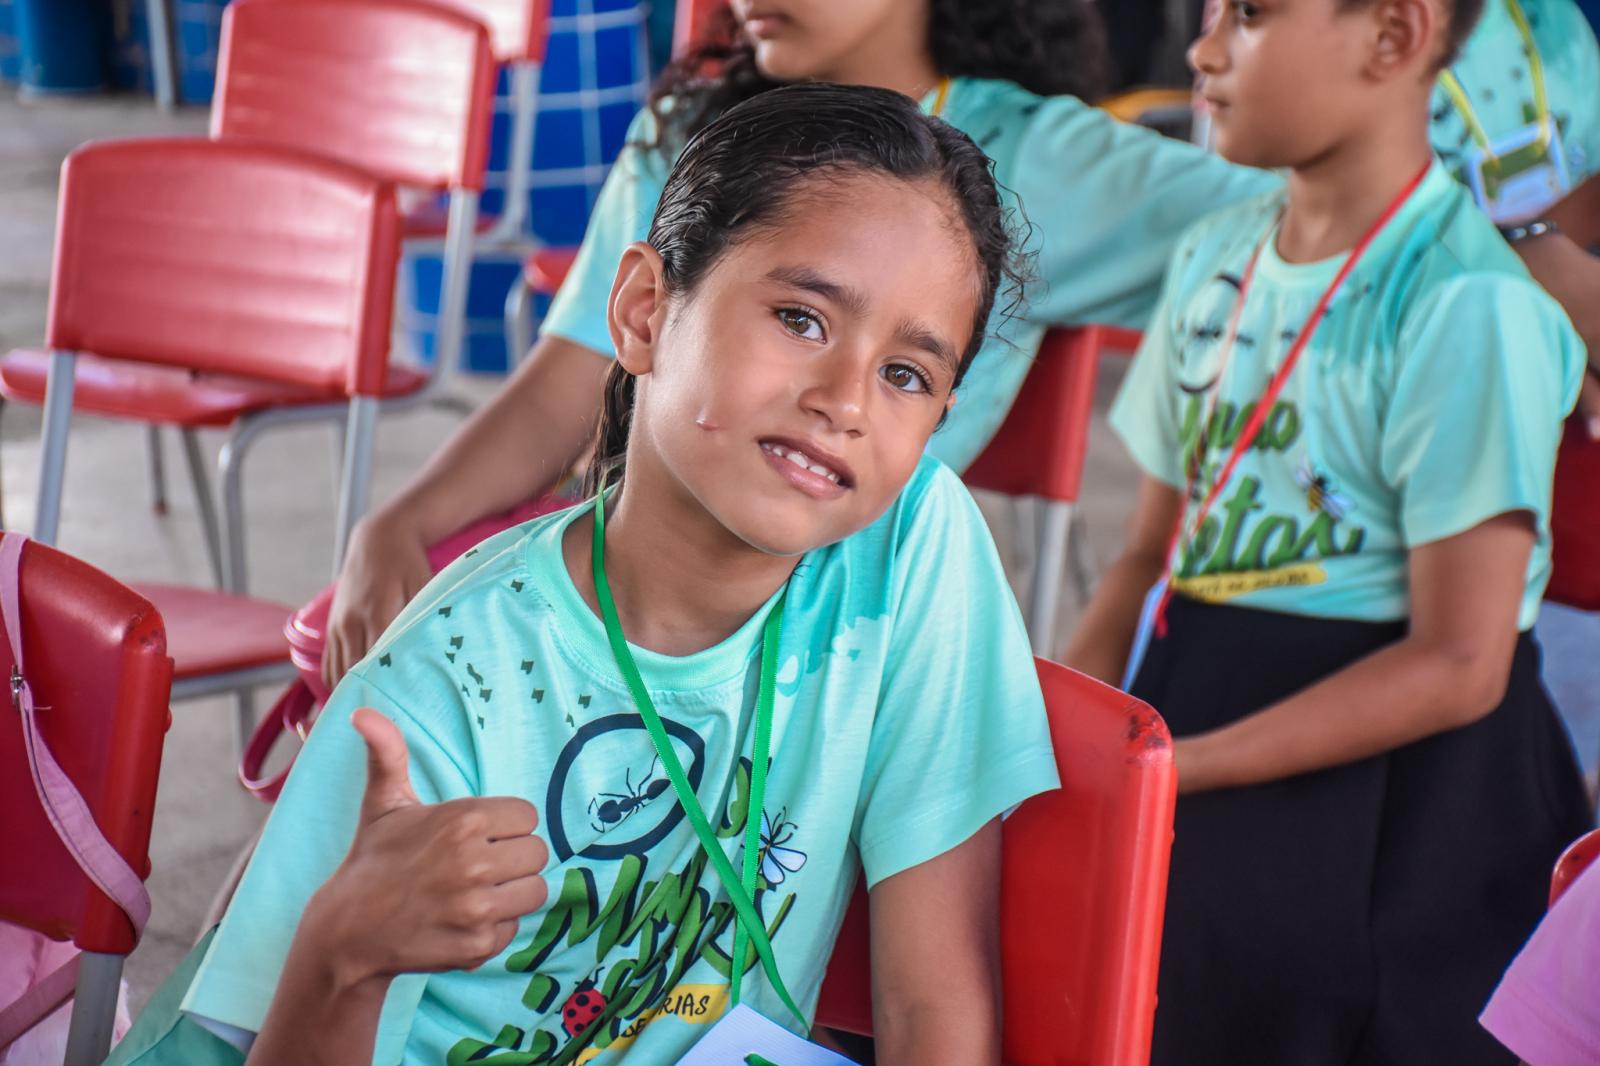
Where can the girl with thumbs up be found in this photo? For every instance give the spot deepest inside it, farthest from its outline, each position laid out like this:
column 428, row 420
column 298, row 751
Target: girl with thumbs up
column 775, row 650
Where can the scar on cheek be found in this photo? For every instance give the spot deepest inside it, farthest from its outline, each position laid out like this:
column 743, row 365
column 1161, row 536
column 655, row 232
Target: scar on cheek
column 707, row 423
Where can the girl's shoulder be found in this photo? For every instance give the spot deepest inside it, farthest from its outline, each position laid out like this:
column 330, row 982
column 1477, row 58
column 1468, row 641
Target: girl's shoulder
column 467, row 593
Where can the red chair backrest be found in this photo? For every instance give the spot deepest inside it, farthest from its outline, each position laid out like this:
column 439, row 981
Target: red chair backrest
column 1578, row 857
column 226, row 256
column 1044, row 440
column 97, row 661
column 1083, row 890
column 403, row 88
column 518, row 29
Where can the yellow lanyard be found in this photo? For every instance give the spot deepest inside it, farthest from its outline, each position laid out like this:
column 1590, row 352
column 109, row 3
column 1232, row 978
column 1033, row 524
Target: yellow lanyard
column 1541, row 104
column 939, row 97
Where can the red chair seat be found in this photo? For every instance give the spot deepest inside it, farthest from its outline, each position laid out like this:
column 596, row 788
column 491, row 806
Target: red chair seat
column 546, row 269
column 432, row 219
column 172, row 395
column 211, row 632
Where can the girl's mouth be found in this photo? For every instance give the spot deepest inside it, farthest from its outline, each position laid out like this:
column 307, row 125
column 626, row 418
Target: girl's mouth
column 810, row 470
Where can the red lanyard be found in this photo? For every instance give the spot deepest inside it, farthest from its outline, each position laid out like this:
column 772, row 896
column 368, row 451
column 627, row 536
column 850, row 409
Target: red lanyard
column 1263, row 407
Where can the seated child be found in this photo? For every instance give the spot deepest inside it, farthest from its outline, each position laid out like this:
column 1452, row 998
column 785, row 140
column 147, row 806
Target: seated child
column 777, row 626
column 1347, row 411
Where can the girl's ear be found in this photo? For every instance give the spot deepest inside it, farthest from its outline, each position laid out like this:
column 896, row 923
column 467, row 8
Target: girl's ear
column 638, row 307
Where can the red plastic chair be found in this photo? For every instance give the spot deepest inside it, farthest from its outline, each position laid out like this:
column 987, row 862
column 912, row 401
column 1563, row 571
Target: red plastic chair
column 1578, row 857
column 1040, row 450
column 218, row 268
column 97, row 662
column 1083, row 887
column 401, row 88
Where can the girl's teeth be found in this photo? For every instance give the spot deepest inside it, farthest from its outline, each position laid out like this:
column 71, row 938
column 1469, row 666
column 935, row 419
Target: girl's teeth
column 799, row 459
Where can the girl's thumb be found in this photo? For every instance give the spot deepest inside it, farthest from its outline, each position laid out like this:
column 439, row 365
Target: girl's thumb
column 388, row 775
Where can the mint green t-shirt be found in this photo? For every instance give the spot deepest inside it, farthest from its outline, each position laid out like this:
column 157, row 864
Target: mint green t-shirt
column 1429, row 400
column 1495, row 73
column 1106, row 202
column 908, row 715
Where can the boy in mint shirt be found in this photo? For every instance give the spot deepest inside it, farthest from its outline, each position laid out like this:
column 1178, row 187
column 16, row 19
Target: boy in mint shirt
column 1346, row 409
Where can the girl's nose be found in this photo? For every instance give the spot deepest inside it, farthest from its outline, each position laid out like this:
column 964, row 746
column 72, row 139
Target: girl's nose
column 1207, row 55
column 837, row 393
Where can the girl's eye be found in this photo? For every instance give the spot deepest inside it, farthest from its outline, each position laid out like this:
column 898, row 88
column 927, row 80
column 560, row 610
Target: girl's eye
column 1245, row 11
column 907, row 378
column 800, row 323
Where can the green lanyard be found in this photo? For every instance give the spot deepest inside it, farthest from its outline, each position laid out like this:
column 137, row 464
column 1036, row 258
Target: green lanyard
column 1541, row 104
column 749, row 925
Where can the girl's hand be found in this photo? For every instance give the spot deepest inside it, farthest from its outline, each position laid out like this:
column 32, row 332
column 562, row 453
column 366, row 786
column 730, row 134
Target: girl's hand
column 424, row 888
column 386, row 565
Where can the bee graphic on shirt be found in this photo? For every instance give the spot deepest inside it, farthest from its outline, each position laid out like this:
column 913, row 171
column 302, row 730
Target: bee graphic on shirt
column 610, row 809
column 775, row 860
column 1321, row 493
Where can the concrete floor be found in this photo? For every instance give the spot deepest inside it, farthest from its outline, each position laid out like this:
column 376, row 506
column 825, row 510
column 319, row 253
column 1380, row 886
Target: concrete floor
column 202, row 816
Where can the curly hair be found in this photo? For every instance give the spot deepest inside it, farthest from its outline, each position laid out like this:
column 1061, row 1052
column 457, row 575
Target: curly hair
column 1049, row 47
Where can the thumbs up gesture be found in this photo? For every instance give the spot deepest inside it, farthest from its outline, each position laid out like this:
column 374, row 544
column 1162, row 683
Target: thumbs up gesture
column 427, row 888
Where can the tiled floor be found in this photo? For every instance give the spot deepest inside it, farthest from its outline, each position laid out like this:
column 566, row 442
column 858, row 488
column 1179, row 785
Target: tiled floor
column 202, row 816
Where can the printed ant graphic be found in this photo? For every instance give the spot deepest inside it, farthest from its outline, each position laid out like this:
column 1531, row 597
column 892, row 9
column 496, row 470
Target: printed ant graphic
column 611, row 809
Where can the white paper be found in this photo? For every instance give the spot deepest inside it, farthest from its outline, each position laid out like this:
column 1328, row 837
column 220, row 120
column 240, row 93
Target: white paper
column 743, row 1031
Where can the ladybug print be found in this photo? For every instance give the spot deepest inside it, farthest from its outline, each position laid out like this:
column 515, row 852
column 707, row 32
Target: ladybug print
column 582, row 1008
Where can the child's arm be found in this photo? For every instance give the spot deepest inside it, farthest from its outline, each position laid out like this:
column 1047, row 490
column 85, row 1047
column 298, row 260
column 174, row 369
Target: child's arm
column 1561, row 266
column 1449, row 670
column 544, row 415
column 936, row 958
column 1100, row 645
column 425, row 888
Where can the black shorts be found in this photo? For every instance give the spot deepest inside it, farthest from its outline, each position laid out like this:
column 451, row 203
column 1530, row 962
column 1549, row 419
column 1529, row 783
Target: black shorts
column 1361, row 914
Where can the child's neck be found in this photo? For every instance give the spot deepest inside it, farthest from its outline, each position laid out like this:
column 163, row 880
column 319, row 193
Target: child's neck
column 681, row 581
column 1336, row 197
column 895, row 56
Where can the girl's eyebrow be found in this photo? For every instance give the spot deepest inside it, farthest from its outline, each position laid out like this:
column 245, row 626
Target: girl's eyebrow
column 855, row 301
column 799, row 277
column 918, row 335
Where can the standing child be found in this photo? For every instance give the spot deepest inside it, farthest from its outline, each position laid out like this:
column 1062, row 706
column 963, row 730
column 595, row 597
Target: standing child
column 776, row 649
column 1347, row 411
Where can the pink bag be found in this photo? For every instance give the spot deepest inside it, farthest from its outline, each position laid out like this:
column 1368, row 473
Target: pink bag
column 307, row 631
column 37, row 974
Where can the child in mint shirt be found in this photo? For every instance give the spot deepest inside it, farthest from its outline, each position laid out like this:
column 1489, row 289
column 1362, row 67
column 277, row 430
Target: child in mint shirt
column 788, row 611
column 1346, row 410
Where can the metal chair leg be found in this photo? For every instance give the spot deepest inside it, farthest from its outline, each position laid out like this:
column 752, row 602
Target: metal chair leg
column 163, row 57
column 244, row 718
column 1083, row 576
column 94, row 1008
column 53, row 449
column 205, row 503
column 519, row 324
column 1054, row 523
column 158, row 469
column 230, row 465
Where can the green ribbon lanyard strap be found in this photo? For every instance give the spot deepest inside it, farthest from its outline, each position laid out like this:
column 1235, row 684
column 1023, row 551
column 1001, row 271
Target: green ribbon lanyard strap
column 749, row 926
